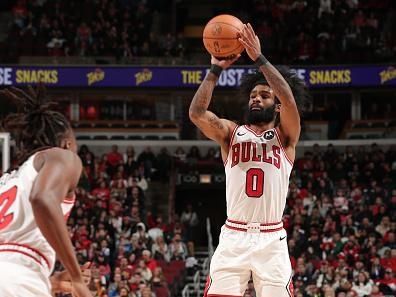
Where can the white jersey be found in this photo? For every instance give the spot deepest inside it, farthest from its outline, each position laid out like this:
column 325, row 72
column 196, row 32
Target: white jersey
column 257, row 176
column 18, row 230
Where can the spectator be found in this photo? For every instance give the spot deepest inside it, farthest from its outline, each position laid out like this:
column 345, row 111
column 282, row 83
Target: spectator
column 119, row 186
column 102, row 192
column 194, row 155
column 178, row 249
column 114, row 286
column 148, row 260
column 363, row 285
column 145, row 292
column 156, row 231
column 164, row 161
column 189, row 219
column 137, row 181
column 136, row 281
column 134, row 217
column 384, row 226
column 158, row 279
column 148, row 160
column 325, row 6
column 114, row 158
column 212, row 155
column 141, row 233
column 180, row 154
column 130, row 161
column 144, row 270
column 83, row 39
column 376, row 271
column 103, row 266
column 124, row 292
column 388, row 282
column 160, row 250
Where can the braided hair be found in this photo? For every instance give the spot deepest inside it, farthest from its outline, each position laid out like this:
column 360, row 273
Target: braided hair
column 35, row 125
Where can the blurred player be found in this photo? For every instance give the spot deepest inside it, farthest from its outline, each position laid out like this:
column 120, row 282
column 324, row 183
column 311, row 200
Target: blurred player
column 258, row 160
column 36, row 199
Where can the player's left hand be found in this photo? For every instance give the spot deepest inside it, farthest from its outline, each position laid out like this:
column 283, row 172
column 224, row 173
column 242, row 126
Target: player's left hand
column 224, row 63
column 61, row 281
column 250, row 41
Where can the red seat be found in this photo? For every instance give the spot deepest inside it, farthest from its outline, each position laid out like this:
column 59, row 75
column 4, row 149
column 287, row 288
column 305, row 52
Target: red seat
column 162, row 264
column 170, row 278
column 161, row 292
column 178, row 263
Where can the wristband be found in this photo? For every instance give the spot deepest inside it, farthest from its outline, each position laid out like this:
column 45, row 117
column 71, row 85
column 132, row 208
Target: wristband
column 216, row 69
column 261, row 60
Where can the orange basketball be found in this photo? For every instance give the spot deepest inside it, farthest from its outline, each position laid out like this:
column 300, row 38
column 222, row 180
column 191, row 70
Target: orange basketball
column 220, row 36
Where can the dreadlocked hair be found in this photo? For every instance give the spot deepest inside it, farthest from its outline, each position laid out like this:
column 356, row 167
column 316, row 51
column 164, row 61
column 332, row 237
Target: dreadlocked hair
column 298, row 87
column 35, row 125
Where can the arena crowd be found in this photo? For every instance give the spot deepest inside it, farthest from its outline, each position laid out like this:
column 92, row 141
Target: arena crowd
column 340, row 219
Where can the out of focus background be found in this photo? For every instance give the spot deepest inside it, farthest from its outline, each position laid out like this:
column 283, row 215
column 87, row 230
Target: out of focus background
column 151, row 200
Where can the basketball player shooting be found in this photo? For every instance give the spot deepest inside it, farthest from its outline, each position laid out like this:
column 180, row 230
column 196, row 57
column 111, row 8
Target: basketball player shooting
column 258, row 160
column 36, row 199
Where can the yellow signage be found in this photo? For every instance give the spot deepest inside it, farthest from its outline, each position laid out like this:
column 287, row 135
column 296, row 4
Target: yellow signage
column 143, row 76
column 191, row 76
column 330, row 77
column 95, row 76
column 387, row 74
column 36, row 76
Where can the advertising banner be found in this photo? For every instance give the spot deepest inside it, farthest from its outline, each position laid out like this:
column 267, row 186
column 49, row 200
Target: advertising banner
column 186, row 77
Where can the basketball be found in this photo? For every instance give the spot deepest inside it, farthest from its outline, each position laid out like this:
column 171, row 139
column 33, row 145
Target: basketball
column 220, row 36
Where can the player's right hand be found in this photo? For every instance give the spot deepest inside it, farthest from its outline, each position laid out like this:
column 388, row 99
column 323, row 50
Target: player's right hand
column 250, row 41
column 224, row 63
column 80, row 289
column 61, row 281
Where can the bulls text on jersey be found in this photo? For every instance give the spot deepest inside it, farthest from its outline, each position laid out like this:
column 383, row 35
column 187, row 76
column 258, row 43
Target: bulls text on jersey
column 257, row 152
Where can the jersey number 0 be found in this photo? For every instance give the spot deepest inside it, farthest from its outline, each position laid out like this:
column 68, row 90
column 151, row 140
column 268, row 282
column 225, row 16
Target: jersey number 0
column 6, row 200
column 254, row 182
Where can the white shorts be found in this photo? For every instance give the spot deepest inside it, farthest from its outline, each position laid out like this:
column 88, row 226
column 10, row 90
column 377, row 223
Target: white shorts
column 240, row 255
column 22, row 277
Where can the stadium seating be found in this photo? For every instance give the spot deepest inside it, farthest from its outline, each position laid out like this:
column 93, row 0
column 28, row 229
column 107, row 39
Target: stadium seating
column 121, row 130
column 369, row 129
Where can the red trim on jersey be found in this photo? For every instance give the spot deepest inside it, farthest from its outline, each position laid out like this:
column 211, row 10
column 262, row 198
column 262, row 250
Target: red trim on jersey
column 261, row 231
column 235, row 228
column 69, row 201
column 218, row 295
column 283, row 149
column 244, row 223
column 258, row 135
column 230, row 143
column 30, row 248
column 290, row 287
column 236, row 222
column 23, row 253
column 207, row 286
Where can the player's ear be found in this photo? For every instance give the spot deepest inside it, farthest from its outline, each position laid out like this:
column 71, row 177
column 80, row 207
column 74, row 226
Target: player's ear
column 277, row 107
column 65, row 143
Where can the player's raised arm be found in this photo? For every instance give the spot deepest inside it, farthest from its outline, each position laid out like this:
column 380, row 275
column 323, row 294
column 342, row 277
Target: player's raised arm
column 289, row 115
column 210, row 124
column 58, row 173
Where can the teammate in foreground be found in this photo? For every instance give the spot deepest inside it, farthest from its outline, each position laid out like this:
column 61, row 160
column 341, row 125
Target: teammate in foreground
column 36, row 199
column 258, row 160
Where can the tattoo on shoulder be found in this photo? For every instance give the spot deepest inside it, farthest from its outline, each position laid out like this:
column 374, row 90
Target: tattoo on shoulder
column 215, row 122
column 199, row 109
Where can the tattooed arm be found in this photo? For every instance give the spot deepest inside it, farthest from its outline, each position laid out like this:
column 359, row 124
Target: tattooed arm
column 289, row 117
column 211, row 125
